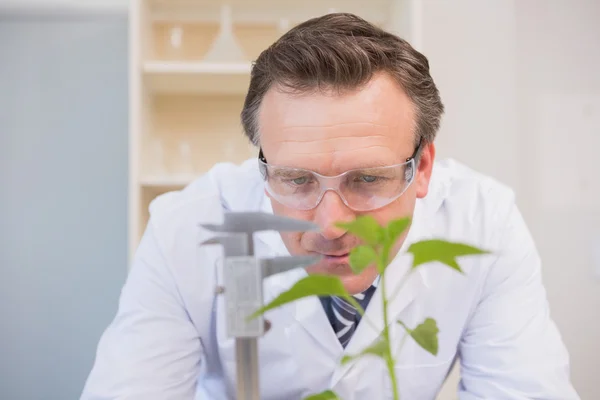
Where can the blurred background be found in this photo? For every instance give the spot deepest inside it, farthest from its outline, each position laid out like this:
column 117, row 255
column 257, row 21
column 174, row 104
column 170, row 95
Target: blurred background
column 106, row 103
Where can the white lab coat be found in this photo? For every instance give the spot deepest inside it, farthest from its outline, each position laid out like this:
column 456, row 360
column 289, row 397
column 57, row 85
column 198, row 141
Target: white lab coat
column 168, row 339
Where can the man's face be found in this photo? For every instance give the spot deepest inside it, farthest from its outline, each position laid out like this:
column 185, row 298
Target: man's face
column 330, row 134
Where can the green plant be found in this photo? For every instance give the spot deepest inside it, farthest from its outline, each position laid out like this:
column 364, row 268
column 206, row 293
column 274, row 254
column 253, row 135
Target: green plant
column 378, row 242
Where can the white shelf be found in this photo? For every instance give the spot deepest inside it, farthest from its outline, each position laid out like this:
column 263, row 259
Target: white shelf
column 186, row 77
column 161, row 182
column 267, row 11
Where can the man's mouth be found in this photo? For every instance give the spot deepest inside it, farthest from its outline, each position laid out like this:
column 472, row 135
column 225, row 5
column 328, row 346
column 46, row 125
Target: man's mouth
column 336, row 263
column 336, row 257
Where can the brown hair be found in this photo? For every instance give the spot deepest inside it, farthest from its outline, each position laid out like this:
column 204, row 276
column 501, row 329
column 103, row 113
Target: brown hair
column 342, row 52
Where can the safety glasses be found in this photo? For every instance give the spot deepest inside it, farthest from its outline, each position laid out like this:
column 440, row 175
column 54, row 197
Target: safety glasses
column 361, row 189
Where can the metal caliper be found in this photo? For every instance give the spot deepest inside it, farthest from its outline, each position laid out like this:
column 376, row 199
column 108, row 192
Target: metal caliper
column 243, row 275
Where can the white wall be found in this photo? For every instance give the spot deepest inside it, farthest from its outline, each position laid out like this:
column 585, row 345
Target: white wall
column 521, row 81
column 63, row 197
column 471, row 47
column 559, row 121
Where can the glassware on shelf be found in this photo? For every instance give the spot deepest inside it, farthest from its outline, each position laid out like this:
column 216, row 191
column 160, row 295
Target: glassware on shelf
column 174, row 50
column 157, row 158
column 225, row 48
column 185, row 154
column 283, row 25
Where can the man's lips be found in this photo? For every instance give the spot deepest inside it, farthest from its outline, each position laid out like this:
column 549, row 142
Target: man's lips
column 336, row 255
column 341, row 257
column 333, row 263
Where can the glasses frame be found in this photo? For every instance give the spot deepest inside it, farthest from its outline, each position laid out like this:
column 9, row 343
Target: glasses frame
column 414, row 158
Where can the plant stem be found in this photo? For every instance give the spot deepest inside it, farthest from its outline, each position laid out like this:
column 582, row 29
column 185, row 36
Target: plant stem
column 361, row 311
column 401, row 285
column 386, row 335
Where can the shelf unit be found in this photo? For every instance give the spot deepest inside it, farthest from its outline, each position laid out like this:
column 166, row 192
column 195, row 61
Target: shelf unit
column 186, row 94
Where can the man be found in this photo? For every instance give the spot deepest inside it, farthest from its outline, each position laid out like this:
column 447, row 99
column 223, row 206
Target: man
column 345, row 116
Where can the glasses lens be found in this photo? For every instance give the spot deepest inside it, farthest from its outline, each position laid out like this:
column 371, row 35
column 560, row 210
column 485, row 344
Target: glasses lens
column 376, row 187
column 297, row 188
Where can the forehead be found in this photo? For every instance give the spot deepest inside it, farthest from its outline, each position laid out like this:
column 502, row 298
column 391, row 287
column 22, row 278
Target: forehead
column 332, row 132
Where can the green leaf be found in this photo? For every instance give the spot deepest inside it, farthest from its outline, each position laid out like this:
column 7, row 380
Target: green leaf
column 312, row 285
column 366, row 228
column 379, row 349
column 442, row 251
column 361, row 257
column 326, row 395
column 425, row 334
column 395, row 229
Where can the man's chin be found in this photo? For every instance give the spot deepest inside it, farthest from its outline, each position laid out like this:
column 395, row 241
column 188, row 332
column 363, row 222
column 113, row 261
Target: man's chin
column 326, row 267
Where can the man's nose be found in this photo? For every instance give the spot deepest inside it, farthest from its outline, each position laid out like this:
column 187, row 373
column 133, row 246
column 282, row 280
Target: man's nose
column 330, row 211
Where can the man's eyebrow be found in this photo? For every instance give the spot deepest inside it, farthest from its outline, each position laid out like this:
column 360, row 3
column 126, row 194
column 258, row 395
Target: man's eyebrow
column 371, row 167
column 365, row 164
column 288, row 172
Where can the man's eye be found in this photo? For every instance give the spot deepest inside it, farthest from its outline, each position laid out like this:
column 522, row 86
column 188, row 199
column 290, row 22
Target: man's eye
column 368, row 178
column 299, row 181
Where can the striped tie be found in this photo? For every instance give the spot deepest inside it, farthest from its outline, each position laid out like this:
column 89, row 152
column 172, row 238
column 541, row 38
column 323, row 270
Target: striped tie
column 345, row 317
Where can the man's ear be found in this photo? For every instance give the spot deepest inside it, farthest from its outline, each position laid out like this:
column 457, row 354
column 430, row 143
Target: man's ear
column 424, row 169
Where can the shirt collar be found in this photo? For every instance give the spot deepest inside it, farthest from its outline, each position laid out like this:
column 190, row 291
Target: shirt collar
column 376, row 281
